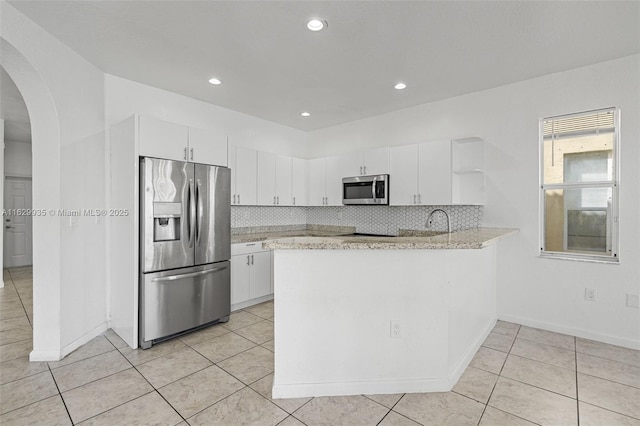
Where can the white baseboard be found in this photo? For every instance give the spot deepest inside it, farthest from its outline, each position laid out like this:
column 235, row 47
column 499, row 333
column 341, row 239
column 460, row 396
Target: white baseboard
column 572, row 331
column 58, row 355
column 458, row 370
column 247, row 303
column 84, row 339
column 355, row 388
column 1, row 282
column 36, row 356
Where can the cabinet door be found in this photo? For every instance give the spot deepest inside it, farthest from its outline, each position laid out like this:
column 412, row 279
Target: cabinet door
column 260, row 274
column 351, row 164
column 240, row 278
column 335, row 171
column 161, row 139
column 246, row 162
column 266, row 179
column 283, row 180
column 299, row 182
column 403, row 188
column 434, row 173
column 231, row 160
column 317, row 181
column 376, row 161
column 208, row 147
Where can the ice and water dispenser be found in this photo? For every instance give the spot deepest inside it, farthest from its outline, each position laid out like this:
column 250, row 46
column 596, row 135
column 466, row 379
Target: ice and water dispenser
column 166, row 221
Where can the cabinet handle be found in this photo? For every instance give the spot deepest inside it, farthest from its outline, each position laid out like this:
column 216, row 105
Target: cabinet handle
column 185, row 154
column 274, row 199
column 414, row 198
column 238, row 198
column 278, row 200
column 252, row 259
column 365, row 170
column 191, row 152
column 294, row 201
column 248, row 260
column 234, row 198
column 361, row 170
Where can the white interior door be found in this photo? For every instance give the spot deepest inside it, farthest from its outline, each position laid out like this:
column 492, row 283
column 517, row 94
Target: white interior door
column 18, row 223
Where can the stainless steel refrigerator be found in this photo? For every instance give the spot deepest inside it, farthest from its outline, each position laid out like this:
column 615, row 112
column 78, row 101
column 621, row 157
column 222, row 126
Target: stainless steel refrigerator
column 185, row 247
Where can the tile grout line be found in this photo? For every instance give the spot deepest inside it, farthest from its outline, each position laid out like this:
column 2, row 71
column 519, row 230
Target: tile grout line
column 575, row 343
column 499, row 375
column 152, row 387
column 20, row 299
column 60, row 394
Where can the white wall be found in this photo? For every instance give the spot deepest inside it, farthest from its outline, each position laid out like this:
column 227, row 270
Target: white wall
column 125, row 98
column 17, row 159
column 2, row 192
column 65, row 98
column 539, row 292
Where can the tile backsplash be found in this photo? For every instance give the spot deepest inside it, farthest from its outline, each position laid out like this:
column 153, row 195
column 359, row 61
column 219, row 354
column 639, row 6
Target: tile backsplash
column 367, row 219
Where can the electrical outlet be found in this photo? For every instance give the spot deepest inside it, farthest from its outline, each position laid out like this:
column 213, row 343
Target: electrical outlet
column 395, row 329
column 632, row 301
column 590, row 294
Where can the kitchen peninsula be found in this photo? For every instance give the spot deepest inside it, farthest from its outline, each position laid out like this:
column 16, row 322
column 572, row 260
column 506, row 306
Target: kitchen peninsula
column 381, row 315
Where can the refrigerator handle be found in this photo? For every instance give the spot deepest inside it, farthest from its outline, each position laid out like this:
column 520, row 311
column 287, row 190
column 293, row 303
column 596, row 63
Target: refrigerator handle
column 189, row 275
column 192, row 213
column 199, row 213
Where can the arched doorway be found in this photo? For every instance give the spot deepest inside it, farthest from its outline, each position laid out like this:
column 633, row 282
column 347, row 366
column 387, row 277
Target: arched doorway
column 46, row 195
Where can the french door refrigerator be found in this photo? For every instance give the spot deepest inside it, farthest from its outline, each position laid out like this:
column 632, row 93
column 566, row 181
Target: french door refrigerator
column 185, row 247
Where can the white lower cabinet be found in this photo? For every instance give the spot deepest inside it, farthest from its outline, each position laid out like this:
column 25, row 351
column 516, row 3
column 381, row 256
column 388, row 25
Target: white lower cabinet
column 251, row 278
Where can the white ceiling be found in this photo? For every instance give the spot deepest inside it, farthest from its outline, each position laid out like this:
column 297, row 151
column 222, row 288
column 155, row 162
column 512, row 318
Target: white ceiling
column 13, row 111
column 272, row 67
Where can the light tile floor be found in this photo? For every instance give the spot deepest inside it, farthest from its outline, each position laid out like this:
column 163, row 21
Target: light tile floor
column 223, row 375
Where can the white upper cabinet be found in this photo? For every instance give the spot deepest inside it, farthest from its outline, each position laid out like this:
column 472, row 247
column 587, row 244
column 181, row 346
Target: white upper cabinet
column 403, row 179
column 376, row 161
column 421, row 174
column 284, row 180
column 335, row 171
column 299, row 182
column 317, row 173
column 162, row 139
column 325, row 181
column 266, row 174
column 274, row 179
column 243, row 165
column 207, row 147
column 371, row 162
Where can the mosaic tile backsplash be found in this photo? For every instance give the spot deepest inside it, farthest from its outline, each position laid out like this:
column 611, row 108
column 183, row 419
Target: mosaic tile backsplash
column 383, row 220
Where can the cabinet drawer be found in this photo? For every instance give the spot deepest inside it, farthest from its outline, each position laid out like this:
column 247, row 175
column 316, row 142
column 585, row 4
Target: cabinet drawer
column 244, row 248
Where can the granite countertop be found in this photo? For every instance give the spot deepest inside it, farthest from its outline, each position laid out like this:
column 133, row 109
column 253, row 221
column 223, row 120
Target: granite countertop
column 275, row 232
column 467, row 239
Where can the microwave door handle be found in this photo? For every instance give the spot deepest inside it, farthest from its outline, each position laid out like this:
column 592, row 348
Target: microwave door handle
column 373, row 189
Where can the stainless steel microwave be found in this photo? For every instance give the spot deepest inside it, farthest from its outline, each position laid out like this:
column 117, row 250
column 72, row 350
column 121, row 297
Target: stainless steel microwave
column 366, row 190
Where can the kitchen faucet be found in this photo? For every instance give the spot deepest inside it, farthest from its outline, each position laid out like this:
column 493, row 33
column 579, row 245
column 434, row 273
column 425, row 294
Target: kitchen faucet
column 430, row 221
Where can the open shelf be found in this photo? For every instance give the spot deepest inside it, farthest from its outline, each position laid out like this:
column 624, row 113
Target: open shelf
column 467, row 176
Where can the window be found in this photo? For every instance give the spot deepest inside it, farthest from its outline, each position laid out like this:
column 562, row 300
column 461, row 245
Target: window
column 579, row 186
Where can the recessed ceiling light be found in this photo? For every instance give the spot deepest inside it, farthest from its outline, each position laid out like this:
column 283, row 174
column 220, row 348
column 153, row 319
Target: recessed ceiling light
column 305, row 114
column 214, row 81
column 400, row 86
column 316, row 24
